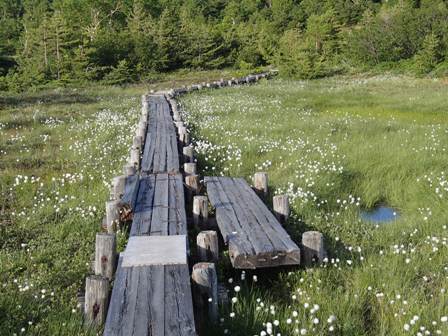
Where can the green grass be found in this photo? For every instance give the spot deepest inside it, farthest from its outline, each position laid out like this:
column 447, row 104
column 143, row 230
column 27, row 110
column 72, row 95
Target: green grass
column 327, row 143
column 59, row 150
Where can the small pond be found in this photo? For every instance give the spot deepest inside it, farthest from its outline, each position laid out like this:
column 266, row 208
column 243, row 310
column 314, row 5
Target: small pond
column 380, row 214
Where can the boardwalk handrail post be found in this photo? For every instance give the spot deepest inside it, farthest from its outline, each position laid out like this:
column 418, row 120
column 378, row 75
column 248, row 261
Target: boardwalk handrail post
column 188, row 154
column 112, row 215
column 205, row 287
column 117, row 188
column 208, row 248
column 190, row 168
column 261, row 182
column 313, row 249
column 200, row 211
column 105, row 254
column 281, row 207
column 96, row 300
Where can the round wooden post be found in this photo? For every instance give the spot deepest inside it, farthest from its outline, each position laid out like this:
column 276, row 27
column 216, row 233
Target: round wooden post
column 184, row 136
column 96, row 300
column 105, row 254
column 190, row 168
column 188, row 153
column 137, row 142
column 313, row 250
column 200, row 211
column 134, row 158
column 112, row 215
column 117, row 189
column 141, row 130
column 205, row 284
column 129, row 169
column 192, row 184
column 281, row 207
column 261, row 182
column 208, row 249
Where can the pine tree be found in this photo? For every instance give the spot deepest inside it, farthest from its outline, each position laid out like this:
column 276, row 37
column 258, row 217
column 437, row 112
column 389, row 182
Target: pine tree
column 430, row 54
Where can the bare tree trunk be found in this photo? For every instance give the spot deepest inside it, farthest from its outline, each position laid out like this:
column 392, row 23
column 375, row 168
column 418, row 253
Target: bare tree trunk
column 45, row 49
column 58, row 56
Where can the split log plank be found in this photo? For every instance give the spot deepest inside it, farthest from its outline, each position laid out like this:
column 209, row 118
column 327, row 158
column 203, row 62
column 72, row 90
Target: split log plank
column 255, row 237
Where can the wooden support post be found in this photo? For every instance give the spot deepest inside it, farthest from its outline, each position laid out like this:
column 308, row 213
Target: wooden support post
column 141, row 130
column 134, row 158
column 207, row 242
column 261, row 182
column 137, row 143
column 129, row 169
column 200, row 211
column 281, row 207
column 190, row 168
column 184, row 136
column 188, row 153
column 176, row 116
column 313, row 249
column 205, row 285
column 117, row 189
column 145, row 106
column 112, row 215
column 96, row 300
column 192, row 184
column 105, row 254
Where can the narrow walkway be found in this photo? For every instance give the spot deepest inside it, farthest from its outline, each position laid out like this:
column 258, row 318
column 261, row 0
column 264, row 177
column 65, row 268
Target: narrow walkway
column 151, row 293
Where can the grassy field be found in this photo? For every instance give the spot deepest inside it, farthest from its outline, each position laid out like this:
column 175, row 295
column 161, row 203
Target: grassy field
column 59, row 150
column 337, row 146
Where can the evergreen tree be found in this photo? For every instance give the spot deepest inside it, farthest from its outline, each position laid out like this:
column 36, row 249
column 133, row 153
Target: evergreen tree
column 430, row 54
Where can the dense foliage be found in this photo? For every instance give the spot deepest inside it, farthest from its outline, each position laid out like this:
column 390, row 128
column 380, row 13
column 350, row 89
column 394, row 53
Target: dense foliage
column 123, row 40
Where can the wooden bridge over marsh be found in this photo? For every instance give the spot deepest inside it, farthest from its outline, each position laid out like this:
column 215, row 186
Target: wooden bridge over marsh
column 153, row 292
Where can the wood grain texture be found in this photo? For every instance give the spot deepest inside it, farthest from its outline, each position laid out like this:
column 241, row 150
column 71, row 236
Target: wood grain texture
column 160, row 153
column 255, row 237
column 160, row 208
column 151, row 300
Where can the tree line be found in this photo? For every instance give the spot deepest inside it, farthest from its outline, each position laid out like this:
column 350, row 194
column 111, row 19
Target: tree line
column 119, row 41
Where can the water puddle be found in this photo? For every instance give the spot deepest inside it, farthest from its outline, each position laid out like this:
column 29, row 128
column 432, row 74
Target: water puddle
column 380, row 214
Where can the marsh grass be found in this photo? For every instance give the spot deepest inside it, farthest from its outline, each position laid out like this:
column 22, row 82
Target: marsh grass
column 337, row 146
column 59, row 149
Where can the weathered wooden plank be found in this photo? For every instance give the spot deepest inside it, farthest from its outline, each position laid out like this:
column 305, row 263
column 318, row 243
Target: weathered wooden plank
column 117, row 305
column 179, row 320
column 160, row 153
column 157, row 300
column 239, row 246
column 263, row 216
column 243, row 220
column 151, row 300
column 144, row 314
column 130, row 191
column 159, row 220
column 141, row 223
column 181, row 225
column 267, row 219
column 162, row 164
column 248, row 221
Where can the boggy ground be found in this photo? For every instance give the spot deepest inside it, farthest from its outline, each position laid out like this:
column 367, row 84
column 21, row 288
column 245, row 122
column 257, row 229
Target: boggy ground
column 336, row 146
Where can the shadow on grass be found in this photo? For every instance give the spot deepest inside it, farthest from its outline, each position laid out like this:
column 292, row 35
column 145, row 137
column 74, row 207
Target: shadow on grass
column 64, row 97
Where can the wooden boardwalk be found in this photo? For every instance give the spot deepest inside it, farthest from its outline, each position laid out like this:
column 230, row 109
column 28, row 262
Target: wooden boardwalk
column 151, row 295
column 160, row 153
column 255, row 237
